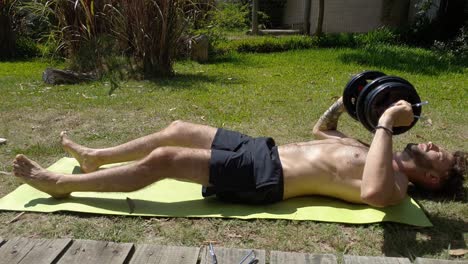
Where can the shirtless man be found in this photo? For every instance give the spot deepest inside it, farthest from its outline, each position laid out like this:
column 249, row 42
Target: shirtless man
column 238, row 168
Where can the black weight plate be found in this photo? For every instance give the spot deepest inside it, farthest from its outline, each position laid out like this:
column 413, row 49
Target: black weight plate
column 354, row 87
column 360, row 104
column 386, row 95
column 366, row 109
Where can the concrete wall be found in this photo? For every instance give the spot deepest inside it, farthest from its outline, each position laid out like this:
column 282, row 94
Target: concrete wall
column 348, row 16
column 353, row 15
column 294, row 13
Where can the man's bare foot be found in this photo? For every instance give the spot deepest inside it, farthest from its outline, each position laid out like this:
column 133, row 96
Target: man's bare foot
column 36, row 176
column 83, row 155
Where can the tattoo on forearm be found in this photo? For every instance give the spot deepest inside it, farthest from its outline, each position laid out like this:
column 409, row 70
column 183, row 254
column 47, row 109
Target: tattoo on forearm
column 329, row 120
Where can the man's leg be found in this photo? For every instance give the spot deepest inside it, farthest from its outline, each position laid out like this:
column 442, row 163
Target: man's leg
column 179, row 133
column 185, row 164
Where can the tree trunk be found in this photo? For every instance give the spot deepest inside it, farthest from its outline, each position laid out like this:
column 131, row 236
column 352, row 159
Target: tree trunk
column 318, row 30
column 306, row 29
column 255, row 17
column 7, row 36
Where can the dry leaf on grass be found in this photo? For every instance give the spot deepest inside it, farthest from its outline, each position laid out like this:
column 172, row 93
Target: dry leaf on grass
column 18, row 216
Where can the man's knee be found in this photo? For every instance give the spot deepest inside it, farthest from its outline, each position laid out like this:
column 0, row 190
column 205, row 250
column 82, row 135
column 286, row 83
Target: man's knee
column 178, row 125
column 162, row 157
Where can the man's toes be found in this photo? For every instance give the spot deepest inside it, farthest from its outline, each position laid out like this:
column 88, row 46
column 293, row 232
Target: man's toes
column 25, row 161
column 21, row 159
column 63, row 134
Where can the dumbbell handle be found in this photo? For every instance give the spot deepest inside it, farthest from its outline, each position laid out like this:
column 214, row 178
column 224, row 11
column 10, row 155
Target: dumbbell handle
column 420, row 104
column 416, row 105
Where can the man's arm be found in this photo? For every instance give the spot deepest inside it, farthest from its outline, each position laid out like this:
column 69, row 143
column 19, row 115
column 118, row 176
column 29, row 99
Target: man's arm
column 326, row 126
column 380, row 185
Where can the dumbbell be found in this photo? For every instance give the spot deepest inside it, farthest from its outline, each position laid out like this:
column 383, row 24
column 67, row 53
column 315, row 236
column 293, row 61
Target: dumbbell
column 368, row 94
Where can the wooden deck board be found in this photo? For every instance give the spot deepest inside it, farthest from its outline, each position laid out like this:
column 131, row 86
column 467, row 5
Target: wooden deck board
column 348, row 259
column 279, row 257
column 439, row 261
column 90, row 251
column 29, row 251
column 47, row 251
column 230, row 255
column 145, row 254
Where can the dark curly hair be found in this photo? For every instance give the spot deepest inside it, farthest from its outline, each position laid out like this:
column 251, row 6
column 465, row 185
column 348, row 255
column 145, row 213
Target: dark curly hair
column 452, row 186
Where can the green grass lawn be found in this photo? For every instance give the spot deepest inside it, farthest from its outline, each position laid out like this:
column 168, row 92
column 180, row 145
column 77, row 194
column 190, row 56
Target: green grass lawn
column 279, row 95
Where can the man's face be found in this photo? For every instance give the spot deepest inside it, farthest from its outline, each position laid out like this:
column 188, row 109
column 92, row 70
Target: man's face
column 431, row 157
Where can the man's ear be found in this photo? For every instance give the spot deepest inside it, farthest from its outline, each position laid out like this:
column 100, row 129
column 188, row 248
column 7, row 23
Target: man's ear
column 432, row 179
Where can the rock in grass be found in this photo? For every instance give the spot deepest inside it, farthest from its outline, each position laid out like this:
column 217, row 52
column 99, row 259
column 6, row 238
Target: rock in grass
column 3, row 141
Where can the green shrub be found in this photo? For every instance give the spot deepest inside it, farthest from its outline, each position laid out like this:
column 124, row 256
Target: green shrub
column 217, row 39
column 456, row 48
column 26, row 48
column 227, row 16
column 335, row 40
column 378, row 36
column 268, row 44
column 231, row 16
column 265, row 44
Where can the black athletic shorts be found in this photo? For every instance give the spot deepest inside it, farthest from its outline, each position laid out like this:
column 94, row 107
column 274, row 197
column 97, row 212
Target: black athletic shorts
column 244, row 169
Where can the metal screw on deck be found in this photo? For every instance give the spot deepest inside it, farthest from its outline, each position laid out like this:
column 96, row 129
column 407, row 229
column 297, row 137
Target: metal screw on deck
column 213, row 255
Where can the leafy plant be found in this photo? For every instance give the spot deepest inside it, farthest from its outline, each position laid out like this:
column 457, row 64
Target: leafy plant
column 91, row 33
column 378, row 36
column 26, row 48
column 455, row 48
column 231, row 16
column 335, row 40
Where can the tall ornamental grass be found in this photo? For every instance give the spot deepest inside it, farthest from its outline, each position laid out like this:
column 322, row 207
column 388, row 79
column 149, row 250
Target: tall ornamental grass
column 144, row 33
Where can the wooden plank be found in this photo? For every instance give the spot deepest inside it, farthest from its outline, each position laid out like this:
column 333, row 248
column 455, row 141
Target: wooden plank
column 45, row 251
column 277, row 257
column 145, row 253
column 37, row 251
column 439, row 261
column 348, row 259
column 230, row 255
column 90, row 251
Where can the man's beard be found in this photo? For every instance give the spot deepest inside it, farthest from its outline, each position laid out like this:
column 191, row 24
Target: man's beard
column 418, row 156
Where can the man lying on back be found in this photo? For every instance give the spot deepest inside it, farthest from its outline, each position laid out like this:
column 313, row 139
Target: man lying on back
column 239, row 168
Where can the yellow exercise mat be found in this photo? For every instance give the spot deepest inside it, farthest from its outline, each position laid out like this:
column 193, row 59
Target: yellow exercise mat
column 171, row 198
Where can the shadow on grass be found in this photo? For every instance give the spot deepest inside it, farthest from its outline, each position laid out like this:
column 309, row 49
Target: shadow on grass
column 231, row 58
column 419, row 194
column 406, row 241
column 192, row 81
column 410, row 60
column 236, row 59
column 446, row 233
